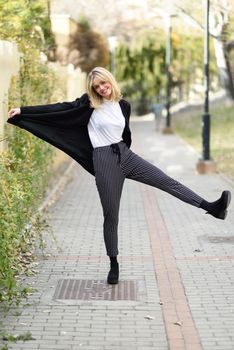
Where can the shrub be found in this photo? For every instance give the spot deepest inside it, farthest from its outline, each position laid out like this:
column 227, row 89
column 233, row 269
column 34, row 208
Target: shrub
column 25, row 165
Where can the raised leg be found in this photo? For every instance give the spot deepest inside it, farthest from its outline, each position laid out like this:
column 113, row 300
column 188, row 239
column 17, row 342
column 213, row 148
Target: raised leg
column 140, row 170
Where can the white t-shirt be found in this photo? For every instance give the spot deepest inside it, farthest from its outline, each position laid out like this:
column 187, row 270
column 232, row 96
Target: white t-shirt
column 106, row 124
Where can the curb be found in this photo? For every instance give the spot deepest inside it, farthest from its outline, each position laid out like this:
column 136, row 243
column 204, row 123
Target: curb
column 50, row 198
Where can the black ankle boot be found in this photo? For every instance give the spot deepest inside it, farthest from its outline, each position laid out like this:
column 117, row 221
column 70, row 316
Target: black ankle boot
column 113, row 275
column 218, row 209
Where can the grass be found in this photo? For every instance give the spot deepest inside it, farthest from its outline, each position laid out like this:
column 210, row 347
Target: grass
column 188, row 124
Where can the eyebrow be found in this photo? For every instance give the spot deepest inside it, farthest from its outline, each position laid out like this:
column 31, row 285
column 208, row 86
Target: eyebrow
column 96, row 85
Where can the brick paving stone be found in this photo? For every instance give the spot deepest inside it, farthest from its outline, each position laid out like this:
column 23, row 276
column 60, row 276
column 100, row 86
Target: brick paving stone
column 194, row 264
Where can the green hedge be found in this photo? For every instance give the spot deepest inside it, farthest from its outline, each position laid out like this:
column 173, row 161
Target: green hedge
column 25, row 165
column 23, row 176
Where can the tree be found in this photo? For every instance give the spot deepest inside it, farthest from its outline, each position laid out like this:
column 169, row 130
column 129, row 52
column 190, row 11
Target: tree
column 220, row 30
column 87, row 48
column 140, row 71
column 141, row 68
column 27, row 23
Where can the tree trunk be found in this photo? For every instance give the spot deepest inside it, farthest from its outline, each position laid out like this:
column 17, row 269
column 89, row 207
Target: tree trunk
column 220, row 27
column 223, row 64
column 230, row 74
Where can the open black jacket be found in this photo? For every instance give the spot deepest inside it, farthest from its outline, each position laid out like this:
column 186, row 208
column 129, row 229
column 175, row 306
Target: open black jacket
column 64, row 125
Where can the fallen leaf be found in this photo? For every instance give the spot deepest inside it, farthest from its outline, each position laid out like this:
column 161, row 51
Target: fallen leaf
column 149, row 317
column 197, row 250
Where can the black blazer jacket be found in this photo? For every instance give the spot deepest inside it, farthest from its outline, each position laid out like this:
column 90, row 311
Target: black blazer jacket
column 64, row 125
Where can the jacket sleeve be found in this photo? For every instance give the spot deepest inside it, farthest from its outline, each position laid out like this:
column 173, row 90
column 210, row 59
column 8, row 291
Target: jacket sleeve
column 55, row 107
column 129, row 111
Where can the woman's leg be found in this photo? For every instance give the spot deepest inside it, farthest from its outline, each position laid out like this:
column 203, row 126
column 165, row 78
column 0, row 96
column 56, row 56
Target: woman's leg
column 138, row 169
column 109, row 180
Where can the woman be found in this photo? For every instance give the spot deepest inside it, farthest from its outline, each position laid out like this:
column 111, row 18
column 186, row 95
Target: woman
column 94, row 130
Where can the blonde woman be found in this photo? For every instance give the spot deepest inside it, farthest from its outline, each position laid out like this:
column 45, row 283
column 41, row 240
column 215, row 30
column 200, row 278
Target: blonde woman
column 94, row 130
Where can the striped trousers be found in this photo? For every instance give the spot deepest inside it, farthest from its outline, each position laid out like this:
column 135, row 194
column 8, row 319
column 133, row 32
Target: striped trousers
column 114, row 163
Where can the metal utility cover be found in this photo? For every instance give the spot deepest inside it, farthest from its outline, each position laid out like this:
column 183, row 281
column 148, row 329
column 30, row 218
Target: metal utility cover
column 217, row 239
column 221, row 239
column 76, row 289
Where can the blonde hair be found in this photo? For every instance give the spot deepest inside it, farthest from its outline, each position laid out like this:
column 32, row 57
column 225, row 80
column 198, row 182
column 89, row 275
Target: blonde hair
column 102, row 73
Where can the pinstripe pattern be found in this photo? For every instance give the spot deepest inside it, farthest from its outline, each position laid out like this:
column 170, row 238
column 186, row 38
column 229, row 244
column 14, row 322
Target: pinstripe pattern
column 112, row 168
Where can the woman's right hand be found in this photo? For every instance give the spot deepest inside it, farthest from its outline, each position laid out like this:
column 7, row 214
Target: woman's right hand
column 14, row 111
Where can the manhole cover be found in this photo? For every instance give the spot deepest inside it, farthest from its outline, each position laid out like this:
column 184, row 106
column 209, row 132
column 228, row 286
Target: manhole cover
column 218, row 239
column 74, row 289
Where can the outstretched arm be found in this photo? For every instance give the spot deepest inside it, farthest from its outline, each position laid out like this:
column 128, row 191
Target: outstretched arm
column 55, row 107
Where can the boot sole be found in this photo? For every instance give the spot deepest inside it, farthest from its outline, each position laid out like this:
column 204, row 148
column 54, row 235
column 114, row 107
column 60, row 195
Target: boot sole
column 113, row 282
column 227, row 199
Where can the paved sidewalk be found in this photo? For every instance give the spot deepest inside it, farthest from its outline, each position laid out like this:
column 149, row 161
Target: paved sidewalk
column 176, row 283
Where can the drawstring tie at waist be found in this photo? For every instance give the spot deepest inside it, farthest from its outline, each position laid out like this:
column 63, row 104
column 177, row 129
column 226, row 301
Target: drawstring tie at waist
column 115, row 149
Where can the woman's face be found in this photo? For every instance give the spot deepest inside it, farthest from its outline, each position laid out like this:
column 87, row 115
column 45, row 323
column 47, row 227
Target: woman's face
column 102, row 87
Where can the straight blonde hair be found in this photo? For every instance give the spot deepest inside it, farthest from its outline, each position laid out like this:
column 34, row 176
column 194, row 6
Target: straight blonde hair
column 103, row 74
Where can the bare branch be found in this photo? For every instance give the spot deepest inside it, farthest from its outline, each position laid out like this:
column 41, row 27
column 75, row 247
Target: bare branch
column 195, row 21
column 190, row 17
column 5, row 138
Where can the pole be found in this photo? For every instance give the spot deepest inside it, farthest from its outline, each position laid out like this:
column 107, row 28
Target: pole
column 168, row 63
column 168, row 129
column 112, row 40
column 206, row 115
column 113, row 61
